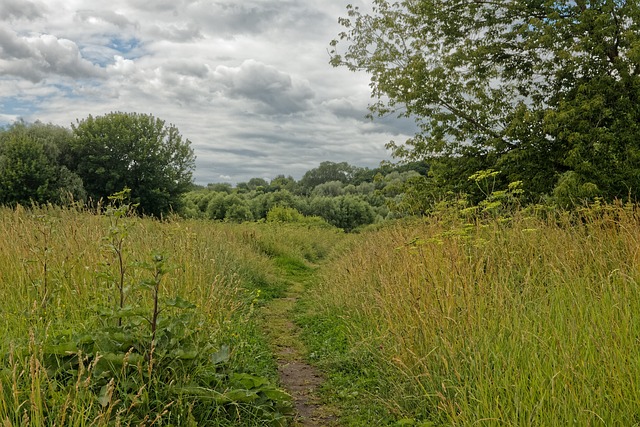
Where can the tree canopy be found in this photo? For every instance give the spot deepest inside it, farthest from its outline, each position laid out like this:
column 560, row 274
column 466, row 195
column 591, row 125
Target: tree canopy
column 326, row 172
column 132, row 150
column 537, row 89
column 29, row 166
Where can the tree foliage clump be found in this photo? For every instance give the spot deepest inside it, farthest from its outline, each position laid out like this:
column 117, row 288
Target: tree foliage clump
column 360, row 197
column 132, row 150
column 536, row 89
column 327, row 172
column 30, row 171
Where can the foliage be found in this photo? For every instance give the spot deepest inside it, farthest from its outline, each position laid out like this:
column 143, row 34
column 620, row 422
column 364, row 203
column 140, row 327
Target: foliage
column 328, row 189
column 345, row 212
column 183, row 349
column 327, row 171
column 30, row 170
column 535, row 89
column 572, row 191
column 454, row 318
column 131, row 150
column 283, row 214
column 367, row 194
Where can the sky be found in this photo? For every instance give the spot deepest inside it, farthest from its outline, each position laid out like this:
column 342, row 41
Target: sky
column 247, row 82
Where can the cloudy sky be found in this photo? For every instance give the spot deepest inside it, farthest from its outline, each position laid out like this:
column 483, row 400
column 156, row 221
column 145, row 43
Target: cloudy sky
column 248, row 82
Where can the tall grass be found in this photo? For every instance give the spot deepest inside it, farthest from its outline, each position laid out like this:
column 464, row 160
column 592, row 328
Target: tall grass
column 523, row 322
column 56, row 276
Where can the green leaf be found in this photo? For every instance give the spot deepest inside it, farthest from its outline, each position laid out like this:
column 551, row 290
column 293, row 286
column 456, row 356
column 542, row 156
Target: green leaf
column 184, row 354
column 221, row 356
column 277, row 395
column 179, row 303
column 248, row 381
column 240, row 395
column 104, row 397
column 62, row 349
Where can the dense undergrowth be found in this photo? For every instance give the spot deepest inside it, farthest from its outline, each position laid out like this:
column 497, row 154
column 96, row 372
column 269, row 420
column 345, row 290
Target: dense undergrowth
column 530, row 319
column 472, row 315
column 116, row 320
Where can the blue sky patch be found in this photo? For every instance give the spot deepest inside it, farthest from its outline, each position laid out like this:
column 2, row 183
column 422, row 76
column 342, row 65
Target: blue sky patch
column 16, row 107
column 124, row 46
column 102, row 54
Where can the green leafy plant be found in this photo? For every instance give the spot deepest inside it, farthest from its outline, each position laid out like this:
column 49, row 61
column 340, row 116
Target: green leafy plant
column 118, row 210
column 150, row 357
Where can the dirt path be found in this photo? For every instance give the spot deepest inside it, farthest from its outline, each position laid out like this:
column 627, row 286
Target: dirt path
column 299, row 378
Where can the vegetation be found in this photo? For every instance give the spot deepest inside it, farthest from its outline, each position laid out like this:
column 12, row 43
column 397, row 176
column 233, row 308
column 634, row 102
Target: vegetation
column 41, row 164
column 345, row 196
column 30, row 167
column 98, row 157
column 494, row 277
column 466, row 317
column 110, row 319
column 483, row 312
column 135, row 151
column 544, row 91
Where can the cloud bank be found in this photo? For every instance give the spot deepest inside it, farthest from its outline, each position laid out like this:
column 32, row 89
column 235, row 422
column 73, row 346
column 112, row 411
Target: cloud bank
column 247, row 82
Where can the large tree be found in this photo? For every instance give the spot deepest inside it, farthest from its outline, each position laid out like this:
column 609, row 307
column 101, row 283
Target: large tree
column 536, row 88
column 132, row 150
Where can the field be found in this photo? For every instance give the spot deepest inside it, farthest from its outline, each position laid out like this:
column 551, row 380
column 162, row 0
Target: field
column 115, row 320
column 531, row 320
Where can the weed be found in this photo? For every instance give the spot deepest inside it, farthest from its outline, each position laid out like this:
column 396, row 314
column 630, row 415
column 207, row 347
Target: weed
column 120, row 342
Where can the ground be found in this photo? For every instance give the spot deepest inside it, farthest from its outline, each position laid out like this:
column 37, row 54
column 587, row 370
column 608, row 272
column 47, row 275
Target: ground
column 298, row 377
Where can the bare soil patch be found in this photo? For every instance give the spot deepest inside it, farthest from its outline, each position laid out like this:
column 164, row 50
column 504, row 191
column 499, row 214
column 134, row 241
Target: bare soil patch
column 299, row 378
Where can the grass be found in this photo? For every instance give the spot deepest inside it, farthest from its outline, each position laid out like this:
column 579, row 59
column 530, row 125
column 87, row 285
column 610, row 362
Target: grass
column 523, row 322
column 62, row 331
column 529, row 320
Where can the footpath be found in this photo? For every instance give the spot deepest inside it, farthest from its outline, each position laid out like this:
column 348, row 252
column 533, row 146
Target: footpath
column 297, row 377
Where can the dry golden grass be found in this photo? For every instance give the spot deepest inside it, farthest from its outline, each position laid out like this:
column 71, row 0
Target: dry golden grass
column 520, row 322
column 57, row 271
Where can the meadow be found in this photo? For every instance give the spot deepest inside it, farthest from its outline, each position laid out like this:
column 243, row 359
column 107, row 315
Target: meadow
column 453, row 319
column 110, row 319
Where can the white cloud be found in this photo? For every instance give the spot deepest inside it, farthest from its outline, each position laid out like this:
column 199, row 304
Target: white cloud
column 20, row 9
column 38, row 56
column 108, row 17
column 180, row 34
column 275, row 91
column 247, row 82
column 122, row 66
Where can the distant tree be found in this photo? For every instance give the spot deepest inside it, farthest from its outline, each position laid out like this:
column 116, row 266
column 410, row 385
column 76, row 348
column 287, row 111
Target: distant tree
column 242, row 187
column 228, row 207
column 220, row 187
column 329, row 189
column 132, row 150
column 361, row 175
column 327, row 171
column 216, row 206
column 30, row 171
column 238, row 212
column 281, row 182
column 262, row 203
column 257, row 183
column 346, row 212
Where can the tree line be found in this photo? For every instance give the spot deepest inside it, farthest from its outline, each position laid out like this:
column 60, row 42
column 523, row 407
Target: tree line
column 538, row 99
column 100, row 156
column 339, row 194
column 97, row 157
